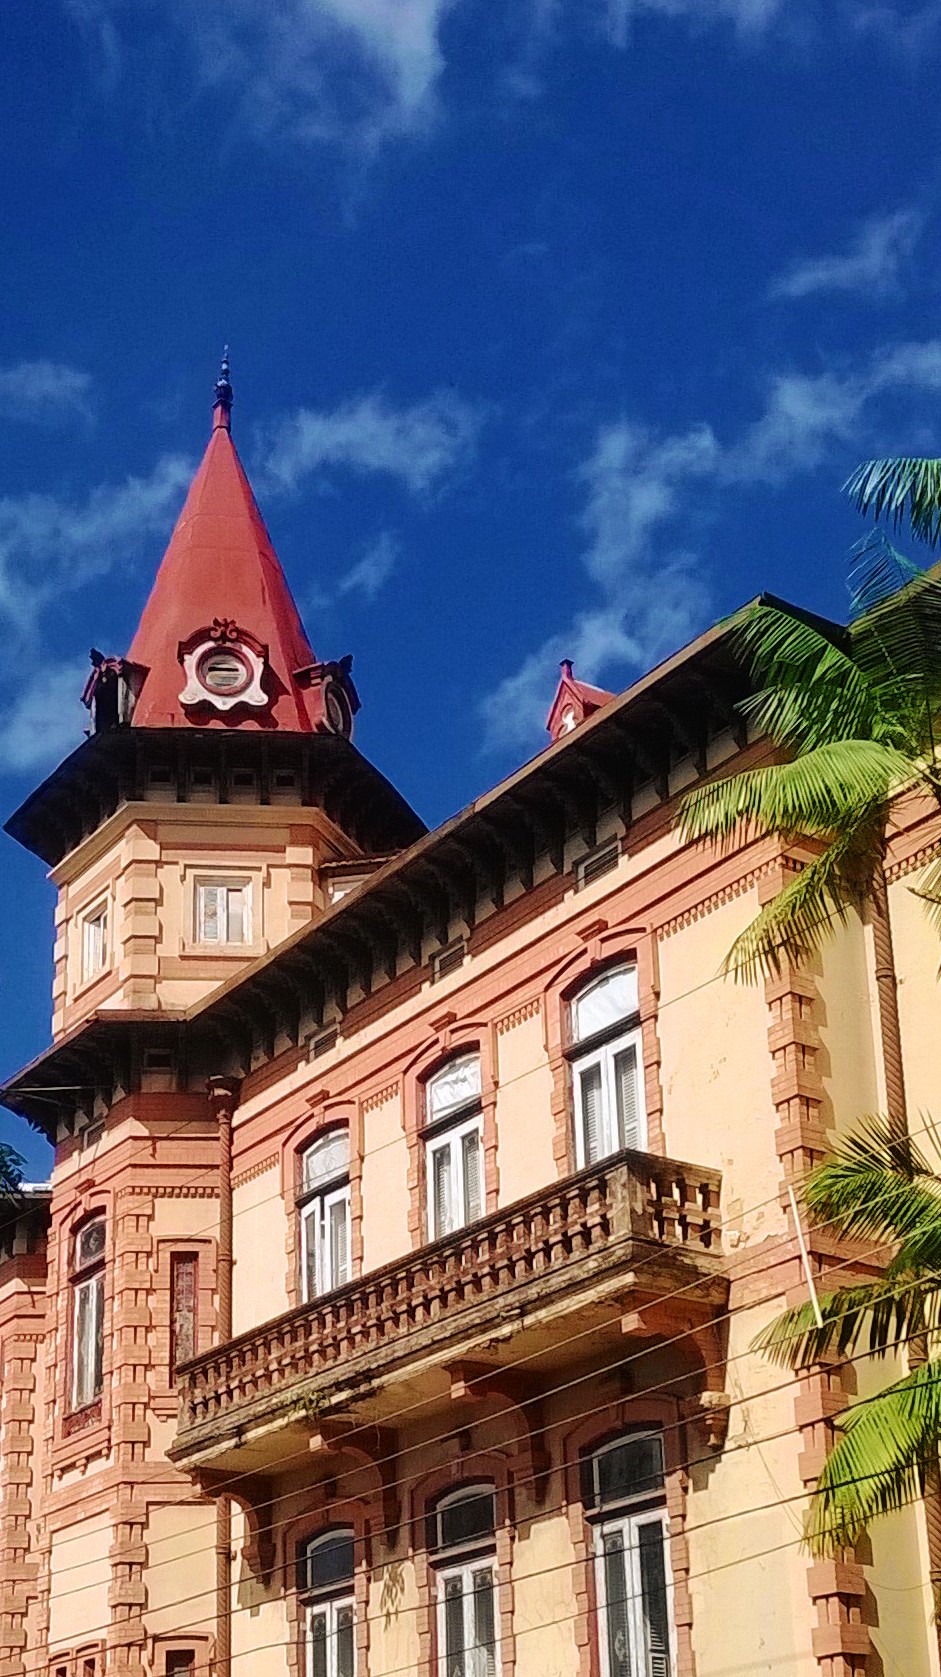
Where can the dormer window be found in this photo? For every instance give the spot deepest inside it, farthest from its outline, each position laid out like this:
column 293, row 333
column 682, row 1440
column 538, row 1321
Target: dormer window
column 224, row 670
column 224, row 666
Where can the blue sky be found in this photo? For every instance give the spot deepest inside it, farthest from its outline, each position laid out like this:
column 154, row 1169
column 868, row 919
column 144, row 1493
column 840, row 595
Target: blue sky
column 556, row 326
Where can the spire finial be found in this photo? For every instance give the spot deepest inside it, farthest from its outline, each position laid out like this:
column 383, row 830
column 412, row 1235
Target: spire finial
column 222, row 403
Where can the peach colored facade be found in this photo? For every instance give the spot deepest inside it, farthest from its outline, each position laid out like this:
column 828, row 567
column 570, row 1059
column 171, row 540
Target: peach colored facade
column 513, row 1303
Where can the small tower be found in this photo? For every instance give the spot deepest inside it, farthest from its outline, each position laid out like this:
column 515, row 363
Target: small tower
column 219, row 803
column 574, row 702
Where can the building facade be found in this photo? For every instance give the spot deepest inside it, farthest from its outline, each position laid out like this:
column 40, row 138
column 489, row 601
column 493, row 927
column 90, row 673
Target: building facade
column 418, row 1195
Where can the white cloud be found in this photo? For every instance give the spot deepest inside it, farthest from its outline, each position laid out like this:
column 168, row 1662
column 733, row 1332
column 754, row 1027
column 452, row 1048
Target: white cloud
column 45, row 721
column 49, row 547
column 748, row 16
column 652, row 593
column 44, row 392
column 416, row 444
column 870, row 267
column 371, row 572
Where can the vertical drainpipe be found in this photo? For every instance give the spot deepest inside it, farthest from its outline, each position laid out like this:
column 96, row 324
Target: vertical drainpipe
column 223, row 1095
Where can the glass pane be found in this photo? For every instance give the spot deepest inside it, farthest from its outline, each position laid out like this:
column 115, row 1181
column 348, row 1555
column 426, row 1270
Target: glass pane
column 345, row 1651
column 466, row 1517
column 329, row 1560
column 592, row 1112
column 473, row 1207
column 441, row 1191
column 89, row 1345
column 629, row 1469
column 310, row 1224
column 97, row 1288
column 625, row 1089
column 653, row 1585
column 90, row 1243
column 339, row 1242
column 604, row 1003
column 235, row 902
column 485, row 1645
column 182, row 1308
column 454, row 1628
column 456, row 1083
column 617, row 1606
column 327, row 1159
column 318, row 1644
column 209, row 914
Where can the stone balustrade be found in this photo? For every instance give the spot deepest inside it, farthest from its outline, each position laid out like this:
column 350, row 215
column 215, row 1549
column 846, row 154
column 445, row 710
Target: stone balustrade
column 565, row 1236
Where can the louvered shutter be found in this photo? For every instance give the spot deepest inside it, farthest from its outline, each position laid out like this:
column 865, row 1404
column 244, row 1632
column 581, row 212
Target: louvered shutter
column 318, row 1643
column 625, row 1094
column 340, row 1241
column 617, row 1606
column 441, row 1190
column 485, row 1646
column 592, row 1116
column 344, row 1636
column 654, row 1598
column 454, row 1628
column 473, row 1207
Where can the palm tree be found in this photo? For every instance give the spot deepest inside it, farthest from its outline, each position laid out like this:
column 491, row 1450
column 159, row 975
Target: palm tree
column 886, row 1190
column 854, row 715
column 11, row 1174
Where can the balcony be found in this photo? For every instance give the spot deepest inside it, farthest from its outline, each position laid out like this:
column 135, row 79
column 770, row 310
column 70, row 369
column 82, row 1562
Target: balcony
column 524, row 1296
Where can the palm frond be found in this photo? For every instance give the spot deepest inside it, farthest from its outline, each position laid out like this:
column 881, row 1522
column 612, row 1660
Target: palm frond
column 879, row 1315
column 929, row 890
column 896, row 639
column 875, row 1467
column 812, row 691
column 802, row 916
column 878, row 1185
column 816, row 793
column 908, row 488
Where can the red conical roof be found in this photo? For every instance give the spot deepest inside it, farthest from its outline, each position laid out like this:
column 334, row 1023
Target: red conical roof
column 220, row 567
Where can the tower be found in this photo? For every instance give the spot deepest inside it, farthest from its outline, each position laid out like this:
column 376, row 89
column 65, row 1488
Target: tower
column 219, row 803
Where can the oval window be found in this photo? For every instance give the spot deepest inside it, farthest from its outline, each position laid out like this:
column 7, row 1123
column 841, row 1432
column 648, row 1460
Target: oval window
column 224, row 671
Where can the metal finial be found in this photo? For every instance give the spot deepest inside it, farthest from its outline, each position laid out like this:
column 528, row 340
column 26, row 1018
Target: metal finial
column 222, row 404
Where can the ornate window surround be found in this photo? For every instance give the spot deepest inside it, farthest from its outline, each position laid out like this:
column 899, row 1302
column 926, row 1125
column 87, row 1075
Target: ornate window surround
column 484, row 1468
column 323, row 1116
column 452, row 1038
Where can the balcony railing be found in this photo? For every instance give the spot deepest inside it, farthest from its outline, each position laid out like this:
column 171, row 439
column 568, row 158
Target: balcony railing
column 586, row 1230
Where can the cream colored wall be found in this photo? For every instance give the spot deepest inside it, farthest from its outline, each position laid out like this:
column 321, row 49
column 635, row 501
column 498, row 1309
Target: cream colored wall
column 716, row 1069
column 180, row 1574
column 917, row 960
column 845, row 1014
column 524, row 1114
column 259, row 1273
column 384, row 1184
column 80, row 1577
column 393, row 1614
column 544, row 1604
column 751, row 1614
column 258, row 1620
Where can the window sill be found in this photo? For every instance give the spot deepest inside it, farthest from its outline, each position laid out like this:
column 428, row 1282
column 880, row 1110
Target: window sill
column 84, row 1434
column 86, row 985
column 222, row 951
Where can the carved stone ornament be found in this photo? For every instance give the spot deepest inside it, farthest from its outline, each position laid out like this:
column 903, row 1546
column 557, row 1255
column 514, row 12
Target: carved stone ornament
column 223, row 668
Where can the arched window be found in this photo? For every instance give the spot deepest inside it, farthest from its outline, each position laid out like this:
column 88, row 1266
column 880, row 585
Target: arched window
column 453, row 1162
column 87, row 1281
column 624, row 1496
column 325, row 1585
column 462, row 1539
column 606, row 1066
column 324, row 1208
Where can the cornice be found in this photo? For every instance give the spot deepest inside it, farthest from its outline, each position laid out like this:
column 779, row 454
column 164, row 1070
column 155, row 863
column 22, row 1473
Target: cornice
column 256, row 1170
column 518, row 1015
column 380, row 1097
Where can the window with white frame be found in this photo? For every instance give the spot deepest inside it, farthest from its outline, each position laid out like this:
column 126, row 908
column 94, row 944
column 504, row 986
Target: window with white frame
column 222, row 912
column 607, row 1073
column 462, row 1538
column 325, row 1585
column 88, row 1311
column 623, row 1489
column 94, row 941
column 453, row 1153
column 324, row 1206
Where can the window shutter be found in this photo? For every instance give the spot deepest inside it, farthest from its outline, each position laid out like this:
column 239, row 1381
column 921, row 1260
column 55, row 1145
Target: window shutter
column 311, row 1221
column 182, row 1308
column 473, row 1207
column 617, row 1607
column 235, row 914
column 318, row 1644
column 625, row 1089
column 454, row 1628
column 441, row 1190
column 654, row 1597
column 485, row 1646
column 345, row 1653
column 340, row 1241
column 590, row 1092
